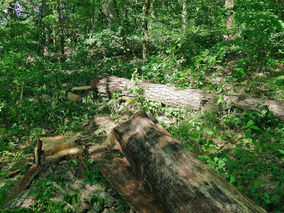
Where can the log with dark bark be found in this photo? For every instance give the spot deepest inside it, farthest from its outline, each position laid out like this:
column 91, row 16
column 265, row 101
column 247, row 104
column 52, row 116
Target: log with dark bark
column 180, row 181
column 189, row 98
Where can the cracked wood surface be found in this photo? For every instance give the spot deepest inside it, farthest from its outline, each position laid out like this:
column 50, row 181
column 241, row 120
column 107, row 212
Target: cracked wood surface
column 180, row 181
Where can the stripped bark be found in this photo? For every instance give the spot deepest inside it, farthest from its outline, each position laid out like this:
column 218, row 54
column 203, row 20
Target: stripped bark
column 180, row 181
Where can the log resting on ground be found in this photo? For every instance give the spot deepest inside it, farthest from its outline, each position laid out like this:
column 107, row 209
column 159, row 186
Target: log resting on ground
column 189, row 98
column 118, row 172
column 180, row 181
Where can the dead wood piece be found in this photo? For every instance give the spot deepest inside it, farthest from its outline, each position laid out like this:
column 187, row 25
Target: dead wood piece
column 118, row 173
column 188, row 98
column 277, row 107
column 74, row 151
column 170, row 95
column 13, row 173
column 22, row 201
column 37, row 152
column 24, row 182
column 73, row 97
column 180, row 181
column 82, row 88
column 52, row 145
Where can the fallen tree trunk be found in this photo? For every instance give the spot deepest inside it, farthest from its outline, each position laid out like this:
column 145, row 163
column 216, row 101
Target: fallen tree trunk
column 189, row 98
column 180, row 181
column 118, row 173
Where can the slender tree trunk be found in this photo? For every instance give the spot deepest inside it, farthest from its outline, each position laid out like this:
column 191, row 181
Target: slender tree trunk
column 61, row 29
column 116, row 11
column 136, row 11
column 145, row 11
column 42, row 37
column 54, row 39
column 184, row 14
column 101, row 14
column 92, row 16
column 11, row 12
column 126, row 13
column 229, row 4
column 152, row 9
column 110, row 12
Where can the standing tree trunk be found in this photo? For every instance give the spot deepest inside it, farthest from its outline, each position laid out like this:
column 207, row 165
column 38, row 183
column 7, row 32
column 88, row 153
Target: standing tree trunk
column 136, row 11
column 41, row 37
column 145, row 11
column 116, row 10
column 110, row 12
column 184, row 14
column 229, row 4
column 152, row 10
column 61, row 27
column 11, row 15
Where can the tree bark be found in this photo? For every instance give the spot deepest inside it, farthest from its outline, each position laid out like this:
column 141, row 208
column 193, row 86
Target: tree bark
column 145, row 11
column 152, row 9
column 229, row 4
column 61, row 29
column 184, row 14
column 119, row 174
column 180, row 181
column 188, row 98
column 116, row 11
column 42, row 37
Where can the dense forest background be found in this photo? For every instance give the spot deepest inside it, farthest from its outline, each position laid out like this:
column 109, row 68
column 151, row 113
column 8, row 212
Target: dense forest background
column 227, row 47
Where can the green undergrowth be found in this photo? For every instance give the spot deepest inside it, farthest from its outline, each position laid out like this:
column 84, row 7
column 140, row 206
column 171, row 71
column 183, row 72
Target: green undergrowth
column 34, row 104
column 243, row 146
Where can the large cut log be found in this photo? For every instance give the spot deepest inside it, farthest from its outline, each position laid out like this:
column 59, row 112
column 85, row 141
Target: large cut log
column 118, row 172
column 189, row 98
column 180, row 181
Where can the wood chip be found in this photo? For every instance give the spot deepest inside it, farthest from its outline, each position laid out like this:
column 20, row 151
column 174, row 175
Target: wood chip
column 73, row 97
column 82, row 88
column 52, row 145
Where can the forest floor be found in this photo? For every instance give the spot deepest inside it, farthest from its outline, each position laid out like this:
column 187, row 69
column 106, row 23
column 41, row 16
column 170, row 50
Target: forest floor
column 245, row 147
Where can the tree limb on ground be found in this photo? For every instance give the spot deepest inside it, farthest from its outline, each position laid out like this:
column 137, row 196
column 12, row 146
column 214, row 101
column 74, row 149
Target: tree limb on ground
column 188, row 98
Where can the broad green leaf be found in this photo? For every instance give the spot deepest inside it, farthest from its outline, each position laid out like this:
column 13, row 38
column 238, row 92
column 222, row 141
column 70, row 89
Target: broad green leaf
column 250, row 123
column 232, row 179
